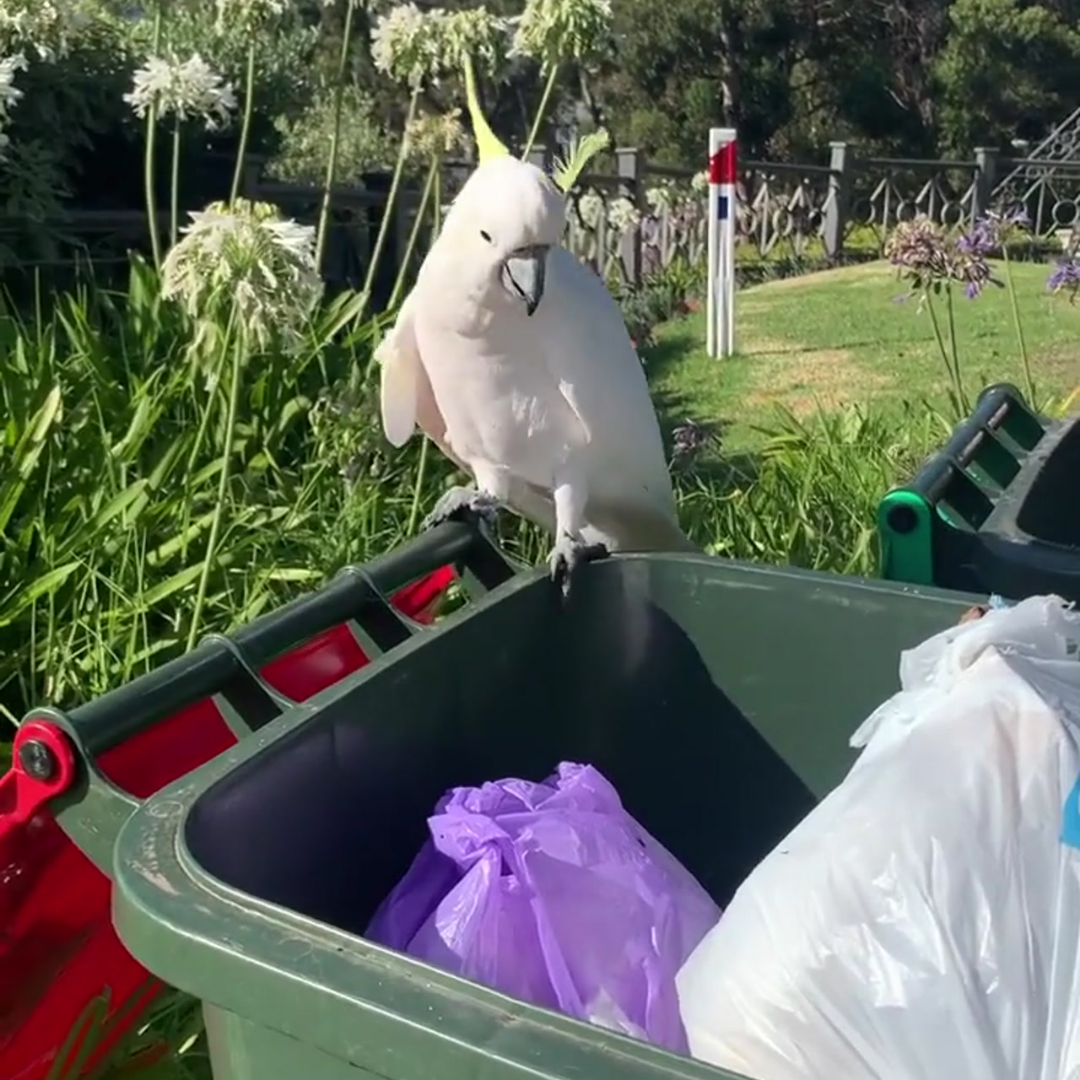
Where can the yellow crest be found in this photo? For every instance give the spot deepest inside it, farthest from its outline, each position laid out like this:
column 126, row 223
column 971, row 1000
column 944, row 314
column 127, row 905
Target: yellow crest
column 487, row 144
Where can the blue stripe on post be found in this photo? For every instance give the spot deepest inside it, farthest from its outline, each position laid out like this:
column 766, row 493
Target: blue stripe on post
column 722, row 208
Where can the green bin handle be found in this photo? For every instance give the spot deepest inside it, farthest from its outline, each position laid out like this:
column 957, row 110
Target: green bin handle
column 907, row 516
column 92, row 809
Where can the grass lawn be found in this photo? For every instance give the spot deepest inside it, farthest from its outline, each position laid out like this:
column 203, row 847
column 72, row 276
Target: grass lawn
column 840, row 336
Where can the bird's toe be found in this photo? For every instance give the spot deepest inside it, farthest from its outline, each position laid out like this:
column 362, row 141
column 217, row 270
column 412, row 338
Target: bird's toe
column 567, row 555
column 459, row 503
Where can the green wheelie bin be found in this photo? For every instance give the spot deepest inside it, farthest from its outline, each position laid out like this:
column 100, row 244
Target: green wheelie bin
column 994, row 510
column 718, row 698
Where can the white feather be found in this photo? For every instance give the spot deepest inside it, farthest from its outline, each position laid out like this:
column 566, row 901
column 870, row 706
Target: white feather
column 580, row 333
column 400, row 364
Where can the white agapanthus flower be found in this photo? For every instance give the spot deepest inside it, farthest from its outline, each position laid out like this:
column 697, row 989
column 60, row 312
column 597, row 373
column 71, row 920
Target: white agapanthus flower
column 406, row 43
column 10, row 94
column 661, row 198
column 44, row 27
column 699, row 183
column 477, row 34
column 622, row 215
column 590, row 208
column 187, row 90
column 247, row 263
column 418, row 47
column 432, row 135
column 555, row 30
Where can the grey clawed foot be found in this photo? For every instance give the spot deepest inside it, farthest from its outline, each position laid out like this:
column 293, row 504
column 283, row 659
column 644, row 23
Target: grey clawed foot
column 567, row 555
column 460, row 502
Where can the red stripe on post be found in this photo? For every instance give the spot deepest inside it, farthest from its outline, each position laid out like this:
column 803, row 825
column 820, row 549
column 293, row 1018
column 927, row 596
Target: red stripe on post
column 722, row 165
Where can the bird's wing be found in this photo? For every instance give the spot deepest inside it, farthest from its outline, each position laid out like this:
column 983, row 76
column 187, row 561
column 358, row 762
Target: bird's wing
column 407, row 401
column 581, row 334
column 398, row 357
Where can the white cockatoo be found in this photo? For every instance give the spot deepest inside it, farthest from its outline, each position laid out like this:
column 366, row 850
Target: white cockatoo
column 514, row 359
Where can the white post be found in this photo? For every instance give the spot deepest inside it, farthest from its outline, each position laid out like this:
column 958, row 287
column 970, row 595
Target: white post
column 720, row 301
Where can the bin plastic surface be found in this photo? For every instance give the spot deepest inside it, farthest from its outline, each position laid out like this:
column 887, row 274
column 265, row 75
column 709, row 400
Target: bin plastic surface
column 1031, row 539
column 717, row 697
column 59, row 954
column 995, row 510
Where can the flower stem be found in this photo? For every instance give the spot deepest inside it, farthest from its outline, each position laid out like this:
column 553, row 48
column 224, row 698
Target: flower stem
column 436, row 206
column 939, row 338
column 151, row 139
column 545, row 99
column 331, row 164
column 388, row 212
column 1025, row 360
column 418, row 487
column 174, row 193
column 955, row 351
column 238, row 353
column 193, row 458
column 418, row 221
column 245, row 129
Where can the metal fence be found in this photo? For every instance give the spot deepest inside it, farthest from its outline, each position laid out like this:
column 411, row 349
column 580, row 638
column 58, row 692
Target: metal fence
column 640, row 217
column 821, row 212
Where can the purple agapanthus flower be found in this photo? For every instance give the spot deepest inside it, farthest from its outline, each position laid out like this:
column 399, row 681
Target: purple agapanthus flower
column 990, row 232
column 980, row 242
column 927, row 258
column 690, row 438
column 1065, row 277
column 1018, row 217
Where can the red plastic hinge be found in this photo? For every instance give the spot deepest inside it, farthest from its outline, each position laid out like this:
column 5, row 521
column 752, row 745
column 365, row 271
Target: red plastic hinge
column 43, row 767
column 722, row 164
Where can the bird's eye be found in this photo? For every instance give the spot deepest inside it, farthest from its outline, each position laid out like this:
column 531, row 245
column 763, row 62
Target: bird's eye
column 486, row 235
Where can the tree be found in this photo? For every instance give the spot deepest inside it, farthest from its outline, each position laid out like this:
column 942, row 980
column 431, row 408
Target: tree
column 686, row 65
column 1007, row 71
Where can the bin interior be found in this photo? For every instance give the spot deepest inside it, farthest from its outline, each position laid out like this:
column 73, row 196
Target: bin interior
column 719, row 699
column 1050, row 511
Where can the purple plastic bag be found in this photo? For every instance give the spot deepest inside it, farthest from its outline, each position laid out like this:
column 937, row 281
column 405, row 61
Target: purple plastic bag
column 553, row 894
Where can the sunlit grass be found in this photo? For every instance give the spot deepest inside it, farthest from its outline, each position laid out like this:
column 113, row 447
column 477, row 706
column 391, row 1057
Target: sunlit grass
column 842, row 337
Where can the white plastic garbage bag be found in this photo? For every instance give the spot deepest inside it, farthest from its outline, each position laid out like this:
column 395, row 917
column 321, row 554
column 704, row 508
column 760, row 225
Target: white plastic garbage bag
column 923, row 922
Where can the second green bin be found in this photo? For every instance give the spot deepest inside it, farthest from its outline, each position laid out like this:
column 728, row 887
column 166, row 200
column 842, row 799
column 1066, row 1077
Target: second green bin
column 717, row 697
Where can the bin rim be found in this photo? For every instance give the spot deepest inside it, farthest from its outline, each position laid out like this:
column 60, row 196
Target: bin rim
column 172, row 914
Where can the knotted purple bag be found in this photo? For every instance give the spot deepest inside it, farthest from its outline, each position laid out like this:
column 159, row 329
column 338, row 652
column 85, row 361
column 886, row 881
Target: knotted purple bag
column 553, row 894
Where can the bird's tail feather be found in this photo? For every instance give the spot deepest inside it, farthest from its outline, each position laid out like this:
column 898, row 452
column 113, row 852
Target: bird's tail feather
column 618, row 528
column 640, row 529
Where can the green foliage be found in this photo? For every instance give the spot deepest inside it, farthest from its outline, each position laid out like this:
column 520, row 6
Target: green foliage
column 73, row 139
column 916, row 78
column 364, row 144
column 284, row 78
column 810, row 498
column 660, row 297
column 109, row 464
column 686, row 66
column 69, row 105
column 1005, row 66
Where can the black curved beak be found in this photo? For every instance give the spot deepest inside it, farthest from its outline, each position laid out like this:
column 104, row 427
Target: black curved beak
column 524, row 272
